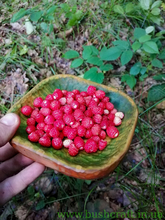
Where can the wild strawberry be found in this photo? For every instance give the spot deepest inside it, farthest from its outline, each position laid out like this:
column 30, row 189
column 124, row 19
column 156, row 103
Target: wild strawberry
column 114, row 111
column 64, row 92
column 45, row 141
column 87, row 100
column 69, row 100
column 102, row 144
column 72, row 133
column 66, row 130
column 97, row 118
column 68, row 109
column 70, row 94
column 62, row 101
column 75, row 124
column 87, row 122
column 102, row 134
column 111, row 123
column 57, row 94
column 40, row 126
column 59, row 124
column 47, row 128
column 81, row 131
column 45, row 111
column 26, row 110
column 111, row 117
column 104, row 124
column 97, row 110
column 104, row 117
column 96, row 99
column 100, row 94
column 119, row 114
column 96, row 129
column 37, row 102
column 49, row 97
column 30, row 129
column 54, row 132
column 54, row 105
column 96, row 138
column 109, row 106
column 88, row 113
column 34, row 113
column 39, row 118
column 90, row 146
column 82, row 108
column 91, row 90
column 106, row 112
column 67, row 143
column 57, row 143
column 105, row 99
column 112, row 132
column 101, row 105
column 40, row 133
column 49, row 119
column 45, row 104
column 33, row 137
column 80, row 99
column 92, row 103
column 30, row 121
column 84, row 94
column 68, row 119
column 79, row 143
column 73, row 151
column 88, row 134
column 76, row 91
column 61, row 135
column 78, row 115
column 75, row 105
column 57, row 114
column 117, row 121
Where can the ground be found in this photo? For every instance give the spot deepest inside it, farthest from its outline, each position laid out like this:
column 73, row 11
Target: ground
column 137, row 184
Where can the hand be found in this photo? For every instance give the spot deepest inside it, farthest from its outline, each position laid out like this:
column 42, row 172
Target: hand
column 16, row 170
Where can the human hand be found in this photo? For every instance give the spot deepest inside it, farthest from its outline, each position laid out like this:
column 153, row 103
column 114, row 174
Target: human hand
column 16, row 170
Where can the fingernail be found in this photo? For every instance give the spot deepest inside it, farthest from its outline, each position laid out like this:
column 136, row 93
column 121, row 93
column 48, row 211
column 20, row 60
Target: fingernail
column 9, row 119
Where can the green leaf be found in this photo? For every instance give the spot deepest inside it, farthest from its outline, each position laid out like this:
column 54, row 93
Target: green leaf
column 24, row 50
column 150, row 47
column 118, row 9
column 126, row 57
column 155, row 19
column 135, row 69
column 31, row 191
column 51, row 10
column 143, row 70
column 75, row 18
column 145, row 4
column 142, row 77
column 20, row 14
column 162, row 54
column 157, row 63
column 129, row 8
column 106, row 67
column 144, row 38
column 112, row 53
column 76, row 63
column 130, row 80
column 136, row 45
column 86, row 52
column 156, row 4
column 40, row 205
column 70, row 54
column 156, row 93
column 139, row 32
column 155, row 11
column 94, row 76
column 88, row 182
column 159, row 77
column 94, row 50
column 45, row 27
column 149, row 29
column 36, row 15
column 95, row 61
column 122, row 44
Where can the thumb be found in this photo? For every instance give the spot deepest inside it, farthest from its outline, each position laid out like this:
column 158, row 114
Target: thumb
column 8, row 126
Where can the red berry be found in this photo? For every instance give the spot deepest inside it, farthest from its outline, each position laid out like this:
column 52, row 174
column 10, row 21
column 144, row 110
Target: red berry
column 92, row 103
column 45, row 141
column 114, row 111
column 96, row 138
column 96, row 129
column 120, row 114
column 75, row 105
column 102, row 144
column 100, row 94
column 101, row 105
column 79, row 143
column 88, row 134
column 33, row 137
column 57, row 143
column 70, row 94
column 37, row 102
column 117, row 121
column 91, row 90
column 97, row 110
column 97, row 118
column 90, row 146
column 39, row 118
column 45, row 104
column 80, row 99
column 26, row 110
column 87, row 100
column 111, row 117
column 41, row 126
column 112, row 132
column 54, row 105
column 69, row 100
column 102, row 134
column 61, row 135
column 104, row 124
column 66, row 130
column 84, row 94
column 67, row 143
column 82, row 108
column 34, row 113
column 109, row 106
column 57, row 114
column 81, row 131
column 30, row 121
column 78, row 115
column 105, row 99
column 75, row 124
column 57, row 94
column 47, row 128
column 54, row 132
column 68, row 119
column 64, row 92
column 88, row 113
column 45, row 111
column 30, row 129
column 59, row 124
column 96, row 99
column 68, row 109
column 49, row 97
column 76, row 91
column 73, row 151
column 40, row 133
column 49, row 119
column 62, row 101
column 72, row 133
column 87, row 122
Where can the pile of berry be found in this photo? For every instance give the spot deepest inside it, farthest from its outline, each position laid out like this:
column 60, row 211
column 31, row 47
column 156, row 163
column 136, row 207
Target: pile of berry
column 67, row 118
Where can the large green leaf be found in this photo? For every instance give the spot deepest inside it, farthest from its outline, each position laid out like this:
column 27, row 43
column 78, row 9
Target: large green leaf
column 156, row 4
column 156, row 93
column 150, row 47
column 139, row 32
column 135, row 69
column 94, row 76
column 162, row 54
column 157, row 63
column 36, row 15
column 95, row 61
column 118, row 9
column 70, row 54
column 122, row 44
column 87, row 52
column 20, row 14
column 51, row 10
column 112, row 53
column 136, row 45
column 106, row 67
column 76, row 63
column 126, row 57
column 155, row 11
column 130, row 80
column 159, row 77
column 145, row 4
column 130, row 7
